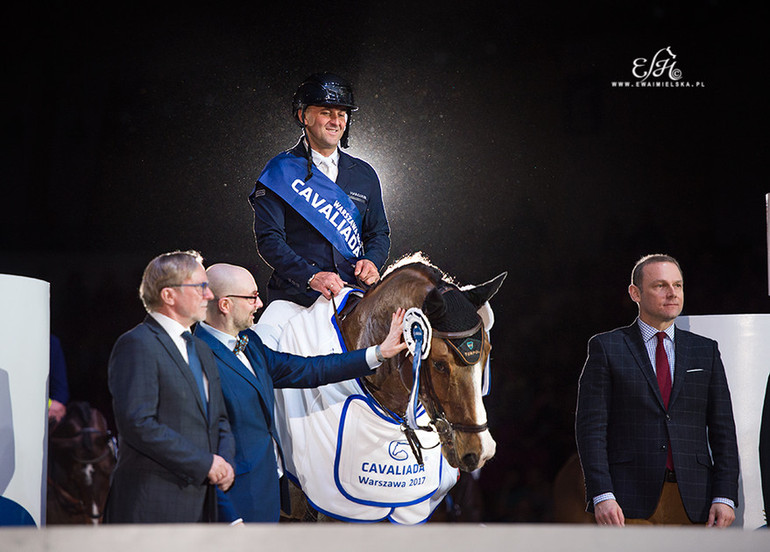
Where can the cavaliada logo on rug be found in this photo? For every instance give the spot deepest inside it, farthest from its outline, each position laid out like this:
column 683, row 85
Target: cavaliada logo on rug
column 660, row 71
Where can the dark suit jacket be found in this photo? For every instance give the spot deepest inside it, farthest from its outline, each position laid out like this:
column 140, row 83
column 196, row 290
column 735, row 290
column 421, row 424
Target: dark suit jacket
column 255, row 495
column 166, row 442
column 623, row 429
column 296, row 250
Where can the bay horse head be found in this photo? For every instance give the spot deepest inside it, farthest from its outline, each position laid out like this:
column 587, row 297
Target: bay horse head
column 450, row 387
column 81, row 456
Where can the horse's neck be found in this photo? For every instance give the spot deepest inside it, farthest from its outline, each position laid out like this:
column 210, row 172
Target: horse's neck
column 369, row 323
column 387, row 388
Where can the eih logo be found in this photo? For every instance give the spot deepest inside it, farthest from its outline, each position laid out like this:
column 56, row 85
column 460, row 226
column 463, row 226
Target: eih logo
column 663, row 62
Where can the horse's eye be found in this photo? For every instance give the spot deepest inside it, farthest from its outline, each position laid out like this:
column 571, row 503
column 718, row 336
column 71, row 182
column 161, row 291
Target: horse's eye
column 440, row 367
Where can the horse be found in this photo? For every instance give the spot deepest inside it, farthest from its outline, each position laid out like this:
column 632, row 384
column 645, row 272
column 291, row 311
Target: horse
column 450, row 381
column 569, row 496
column 81, row 456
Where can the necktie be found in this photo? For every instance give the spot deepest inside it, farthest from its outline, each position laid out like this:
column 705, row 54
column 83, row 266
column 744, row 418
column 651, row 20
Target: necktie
column 240, row 345
column 662, row 369
column 327, row 167
column 663, row 372
column 195, row 366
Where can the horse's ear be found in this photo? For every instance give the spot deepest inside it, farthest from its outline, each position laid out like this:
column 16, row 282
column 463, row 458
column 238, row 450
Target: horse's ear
column 434, row 306
column 478, row 295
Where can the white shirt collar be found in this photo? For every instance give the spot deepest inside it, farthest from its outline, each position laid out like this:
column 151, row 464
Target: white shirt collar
column 648, row 332
column 225, row 338
column 171, row 326
column 174, row 329
column 318, row 158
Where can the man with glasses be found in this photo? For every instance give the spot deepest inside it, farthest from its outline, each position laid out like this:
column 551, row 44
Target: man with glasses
column 176, row 446
column 250, row 371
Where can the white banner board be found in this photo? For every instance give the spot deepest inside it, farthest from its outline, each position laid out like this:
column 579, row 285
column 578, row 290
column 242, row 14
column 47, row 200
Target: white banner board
column 744, row 341
column 24, row 366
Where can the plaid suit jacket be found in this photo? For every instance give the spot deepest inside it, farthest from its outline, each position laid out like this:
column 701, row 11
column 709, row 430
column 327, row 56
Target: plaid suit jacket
column 623, row 430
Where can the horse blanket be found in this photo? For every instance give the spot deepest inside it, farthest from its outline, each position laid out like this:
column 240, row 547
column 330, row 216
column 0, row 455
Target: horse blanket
column 346, row 453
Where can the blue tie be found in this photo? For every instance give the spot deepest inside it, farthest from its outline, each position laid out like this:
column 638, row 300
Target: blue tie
column 195, row 366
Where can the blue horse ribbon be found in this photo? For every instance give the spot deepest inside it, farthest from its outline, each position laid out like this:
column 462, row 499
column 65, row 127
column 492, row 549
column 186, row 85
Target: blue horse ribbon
column 411, row 411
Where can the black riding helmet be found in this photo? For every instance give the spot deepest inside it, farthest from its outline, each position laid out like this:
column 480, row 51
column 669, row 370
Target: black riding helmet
column 324, row 89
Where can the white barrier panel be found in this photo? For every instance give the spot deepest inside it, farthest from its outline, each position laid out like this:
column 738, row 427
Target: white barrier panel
column 744, row 341
column 340, row 537
column 24, row 349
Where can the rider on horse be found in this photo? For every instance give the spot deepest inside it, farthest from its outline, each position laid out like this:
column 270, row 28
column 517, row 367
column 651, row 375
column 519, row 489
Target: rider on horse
column 319, row 219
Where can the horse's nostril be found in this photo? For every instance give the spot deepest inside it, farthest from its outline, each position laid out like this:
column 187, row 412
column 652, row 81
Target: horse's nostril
column 470, row 461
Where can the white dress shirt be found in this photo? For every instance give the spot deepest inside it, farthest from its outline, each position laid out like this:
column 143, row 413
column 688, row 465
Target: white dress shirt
column 328, row 165
column 175, row 330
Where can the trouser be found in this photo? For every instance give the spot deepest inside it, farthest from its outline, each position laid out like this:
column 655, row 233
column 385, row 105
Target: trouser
column 670, row 509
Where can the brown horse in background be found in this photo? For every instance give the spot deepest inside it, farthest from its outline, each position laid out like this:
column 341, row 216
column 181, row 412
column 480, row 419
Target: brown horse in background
column 81, row 456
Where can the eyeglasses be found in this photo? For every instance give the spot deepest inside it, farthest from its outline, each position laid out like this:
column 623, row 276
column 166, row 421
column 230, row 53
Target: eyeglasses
column 250, row 298
column 203, row 286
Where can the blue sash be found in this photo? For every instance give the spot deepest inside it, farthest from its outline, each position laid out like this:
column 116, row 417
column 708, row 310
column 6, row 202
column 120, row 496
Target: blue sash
column 319, row 201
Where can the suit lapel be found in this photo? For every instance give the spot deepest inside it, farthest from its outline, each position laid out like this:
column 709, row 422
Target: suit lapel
column 343, row 172
column 225, row 355
column 183, row 367
column 264, row 385
column 639, row 352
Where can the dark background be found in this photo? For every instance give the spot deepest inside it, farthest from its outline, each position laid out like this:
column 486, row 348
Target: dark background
column 501, row 144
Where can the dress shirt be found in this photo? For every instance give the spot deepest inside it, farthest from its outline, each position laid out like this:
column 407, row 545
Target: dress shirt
column 228, row 341
column 328, row 165
column 175, row 330
column 649, row 335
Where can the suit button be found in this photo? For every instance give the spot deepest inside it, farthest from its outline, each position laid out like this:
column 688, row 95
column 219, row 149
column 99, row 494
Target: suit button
column 663, row 447
column 668, row 418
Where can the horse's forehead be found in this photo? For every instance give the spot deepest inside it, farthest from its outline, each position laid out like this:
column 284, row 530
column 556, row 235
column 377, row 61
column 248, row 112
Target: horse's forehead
column 440, row 350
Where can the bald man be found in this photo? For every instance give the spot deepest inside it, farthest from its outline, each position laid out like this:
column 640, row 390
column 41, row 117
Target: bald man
column 250, row 372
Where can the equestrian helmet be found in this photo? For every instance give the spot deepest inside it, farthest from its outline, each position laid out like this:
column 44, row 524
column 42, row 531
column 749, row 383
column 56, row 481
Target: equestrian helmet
column 324, row 89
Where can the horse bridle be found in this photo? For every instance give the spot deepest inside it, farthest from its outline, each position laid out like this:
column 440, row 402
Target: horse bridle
column 435, row 410
column 73, row 504
column 438, row 420
column 439, row 415
column 66, row 442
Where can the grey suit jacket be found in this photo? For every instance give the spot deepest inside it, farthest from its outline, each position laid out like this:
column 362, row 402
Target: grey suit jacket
column 623, row 429
column 166, row 441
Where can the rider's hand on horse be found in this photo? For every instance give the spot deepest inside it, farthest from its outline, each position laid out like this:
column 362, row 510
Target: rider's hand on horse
column 221, row 473
column 394, row 342
column 328, row 283
column 366, row 271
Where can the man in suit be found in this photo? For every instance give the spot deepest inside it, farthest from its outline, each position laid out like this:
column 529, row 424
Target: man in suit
column 319, row 219
column 175, row 443
column 654, row 422
column 249, row 372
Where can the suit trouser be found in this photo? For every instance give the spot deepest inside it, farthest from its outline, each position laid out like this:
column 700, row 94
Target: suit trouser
column 670, row 509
